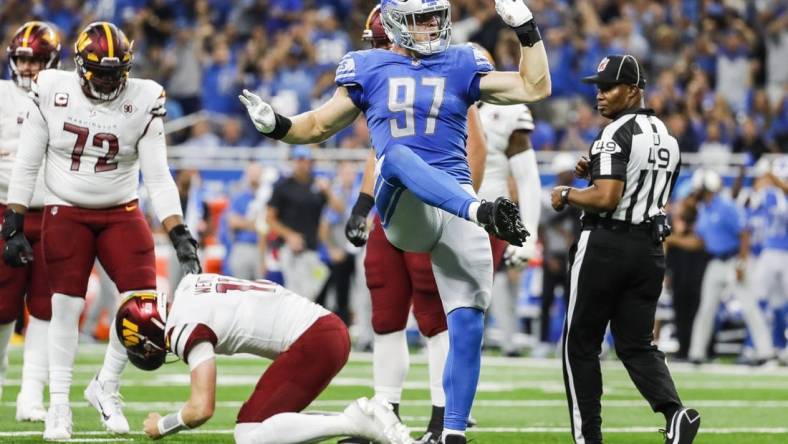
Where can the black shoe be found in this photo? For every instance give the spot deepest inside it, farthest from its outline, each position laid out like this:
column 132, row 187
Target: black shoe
column 502, row 219
column 683, row 427
column 454, row 439
column 354, row 441
column 429, row 437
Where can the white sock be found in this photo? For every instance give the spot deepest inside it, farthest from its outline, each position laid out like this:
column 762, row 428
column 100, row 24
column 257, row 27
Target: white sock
column 390, row 363
column 35, row 368
column 115, row 359
column 503, row 310
column 6, row 330
column 437, row 350
column 63, row 343
column 291, row 428
column 473, row 209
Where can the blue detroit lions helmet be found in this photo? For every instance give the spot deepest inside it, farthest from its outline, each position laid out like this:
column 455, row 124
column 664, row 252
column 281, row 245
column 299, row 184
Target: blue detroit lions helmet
column 402, row 20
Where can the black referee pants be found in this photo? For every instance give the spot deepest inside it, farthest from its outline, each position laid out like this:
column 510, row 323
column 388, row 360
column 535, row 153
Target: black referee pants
column 616, row 278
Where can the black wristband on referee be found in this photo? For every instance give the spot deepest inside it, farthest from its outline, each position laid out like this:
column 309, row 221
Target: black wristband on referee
column 283, row 125
column 528, row 33
column 363, row 205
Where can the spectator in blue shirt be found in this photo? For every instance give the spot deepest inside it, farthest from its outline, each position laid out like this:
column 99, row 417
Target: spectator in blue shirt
column 721, row 229
column 220, row 81
column 246, row 257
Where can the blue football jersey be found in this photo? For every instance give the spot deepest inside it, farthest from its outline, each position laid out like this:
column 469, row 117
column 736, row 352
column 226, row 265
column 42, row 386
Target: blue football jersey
column 419, row 103
column 776, row 207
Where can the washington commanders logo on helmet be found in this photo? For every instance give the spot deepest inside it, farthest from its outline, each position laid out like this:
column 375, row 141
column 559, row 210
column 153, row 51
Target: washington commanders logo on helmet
column 35, row 42
column 373, row 30
column 139, row 324
column 103, row 57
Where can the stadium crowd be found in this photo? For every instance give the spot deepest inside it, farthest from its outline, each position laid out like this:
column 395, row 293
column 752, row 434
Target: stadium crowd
column 717, row 74
column 716, row 69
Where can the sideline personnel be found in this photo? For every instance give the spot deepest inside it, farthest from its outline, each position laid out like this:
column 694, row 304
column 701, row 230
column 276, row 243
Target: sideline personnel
column 617, row 264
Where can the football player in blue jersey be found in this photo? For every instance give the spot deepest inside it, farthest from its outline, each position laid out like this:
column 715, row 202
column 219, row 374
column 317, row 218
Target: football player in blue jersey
column 415, row 98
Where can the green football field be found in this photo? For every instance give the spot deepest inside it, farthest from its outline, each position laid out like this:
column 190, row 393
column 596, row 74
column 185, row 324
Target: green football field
column 519, row 401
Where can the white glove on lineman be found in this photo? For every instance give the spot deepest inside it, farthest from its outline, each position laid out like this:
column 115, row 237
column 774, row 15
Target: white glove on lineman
column 515, row 256
column 514, row 12
column 261, row 113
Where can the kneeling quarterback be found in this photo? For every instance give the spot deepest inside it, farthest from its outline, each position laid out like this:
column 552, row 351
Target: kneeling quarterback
column 213, row 314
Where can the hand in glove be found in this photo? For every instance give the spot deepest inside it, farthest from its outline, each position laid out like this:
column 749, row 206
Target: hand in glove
column 514, row 12
column 261, row 113
column 356, row 230
column 185, row 249
column 17, row 251
column 515, row 256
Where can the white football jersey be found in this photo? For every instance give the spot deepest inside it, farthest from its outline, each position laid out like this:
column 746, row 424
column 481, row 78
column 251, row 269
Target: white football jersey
column 499, row 122
column 14, row 106
column 92, row 159
column 237, row 316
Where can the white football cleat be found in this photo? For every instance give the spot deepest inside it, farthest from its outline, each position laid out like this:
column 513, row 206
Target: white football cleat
column 58, row 423
column 393, row 429
column 370, row 425
column 106, row 399
column 30, row 410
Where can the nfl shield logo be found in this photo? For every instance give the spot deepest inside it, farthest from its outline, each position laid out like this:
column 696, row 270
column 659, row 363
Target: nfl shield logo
column 602, row 65
column 53, row 211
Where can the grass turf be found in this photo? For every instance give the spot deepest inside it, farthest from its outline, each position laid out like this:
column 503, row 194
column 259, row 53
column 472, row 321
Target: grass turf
column 519, row 401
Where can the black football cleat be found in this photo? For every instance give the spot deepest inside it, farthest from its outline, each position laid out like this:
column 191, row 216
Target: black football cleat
column 502, row 219
column 353, row 440
column 683, row 427
column 454, row 439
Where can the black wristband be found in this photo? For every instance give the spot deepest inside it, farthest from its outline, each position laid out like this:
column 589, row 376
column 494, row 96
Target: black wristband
column 363, row 205
column 528, row 33
column 281, row 128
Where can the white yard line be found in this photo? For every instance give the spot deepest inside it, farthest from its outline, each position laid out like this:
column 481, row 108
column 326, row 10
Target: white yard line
column 613, row 403
column 716, row 431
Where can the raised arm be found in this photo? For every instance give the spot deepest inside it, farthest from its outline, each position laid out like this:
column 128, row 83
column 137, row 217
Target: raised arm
column 312, row 126
column 532, row 82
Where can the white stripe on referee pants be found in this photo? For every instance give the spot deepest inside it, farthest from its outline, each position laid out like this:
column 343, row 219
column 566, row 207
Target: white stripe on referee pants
column 577, row 264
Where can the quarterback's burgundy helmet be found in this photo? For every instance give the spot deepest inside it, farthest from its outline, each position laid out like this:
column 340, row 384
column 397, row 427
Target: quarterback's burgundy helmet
column 37, row 41
column 140, row 326
column 373, row 30
column 103, row 56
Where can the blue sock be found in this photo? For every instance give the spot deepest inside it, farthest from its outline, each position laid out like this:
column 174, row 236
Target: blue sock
column 461, row 374
column 404, row 168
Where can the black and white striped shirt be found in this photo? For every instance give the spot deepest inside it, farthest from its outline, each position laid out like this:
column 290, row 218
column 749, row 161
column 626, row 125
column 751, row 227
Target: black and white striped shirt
column 637, row 148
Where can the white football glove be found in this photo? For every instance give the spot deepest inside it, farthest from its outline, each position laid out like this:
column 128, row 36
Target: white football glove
column 515, row 256
column 514, row 12
column 261, row 113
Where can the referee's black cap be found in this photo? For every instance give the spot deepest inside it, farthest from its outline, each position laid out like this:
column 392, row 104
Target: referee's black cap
column 618, row 69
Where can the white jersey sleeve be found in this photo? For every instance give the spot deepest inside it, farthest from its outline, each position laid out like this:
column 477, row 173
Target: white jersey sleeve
column 499, row 122
column 92, row 158
column 30, row 154
column 156, row 173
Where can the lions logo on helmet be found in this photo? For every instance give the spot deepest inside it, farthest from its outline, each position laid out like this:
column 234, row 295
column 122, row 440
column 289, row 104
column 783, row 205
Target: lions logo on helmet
column 103, row 56
column 139, row 324
column 37, row 41
column 423, row 26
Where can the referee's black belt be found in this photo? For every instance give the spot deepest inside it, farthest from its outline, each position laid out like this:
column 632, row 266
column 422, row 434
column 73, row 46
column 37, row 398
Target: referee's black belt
column 597, row 223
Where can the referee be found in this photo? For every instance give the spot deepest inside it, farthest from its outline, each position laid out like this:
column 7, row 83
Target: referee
column 617, row 264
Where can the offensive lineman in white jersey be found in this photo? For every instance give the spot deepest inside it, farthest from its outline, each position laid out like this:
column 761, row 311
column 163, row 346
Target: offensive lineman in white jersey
column 34, row 46
column 213, row 314
column 509, row 153
column 97, row 130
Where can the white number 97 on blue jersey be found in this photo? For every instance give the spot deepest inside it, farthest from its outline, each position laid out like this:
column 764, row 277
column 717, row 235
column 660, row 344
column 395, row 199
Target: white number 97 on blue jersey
column 403, row 94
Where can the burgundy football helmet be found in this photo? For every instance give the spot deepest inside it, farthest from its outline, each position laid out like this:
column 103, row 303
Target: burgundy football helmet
column 103, row 56
column 36, row 41
column 140, row 325
column 373, row 30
